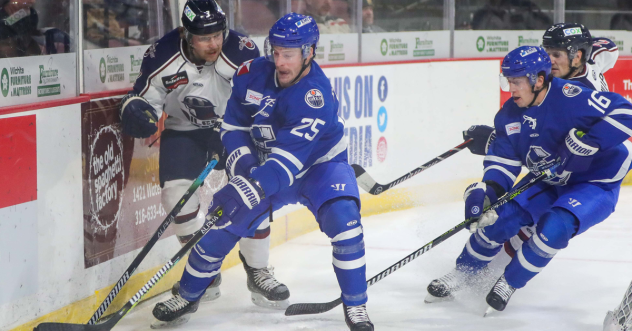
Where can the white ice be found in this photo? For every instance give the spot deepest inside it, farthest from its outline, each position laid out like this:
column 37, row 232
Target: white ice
column 574, row 292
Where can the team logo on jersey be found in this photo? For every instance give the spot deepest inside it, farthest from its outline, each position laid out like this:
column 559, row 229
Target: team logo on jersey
column 172, row 82
column 189, row 13
column 512, row 128
column 526, row 52
column 246, row 42
column 571, row 90
column 532, row 121
column 261, row 135
column 244, row 68
column 199, row 111
column 253, row 97
column 151, row 51
column 304, row 21
column 537, row 159
column 314, row 98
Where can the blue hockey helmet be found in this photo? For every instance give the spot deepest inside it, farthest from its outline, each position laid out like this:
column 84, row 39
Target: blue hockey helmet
column 202, row 17
column 525, row 61
column 292, row 31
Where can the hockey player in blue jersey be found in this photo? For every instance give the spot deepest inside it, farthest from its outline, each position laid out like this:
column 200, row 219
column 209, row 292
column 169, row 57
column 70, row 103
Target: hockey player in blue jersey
column 187, row 74
column 575, row 55
column 548, row 121
column 286, row 145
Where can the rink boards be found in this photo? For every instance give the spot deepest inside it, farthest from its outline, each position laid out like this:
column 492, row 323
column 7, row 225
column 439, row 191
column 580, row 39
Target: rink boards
column 78, row 199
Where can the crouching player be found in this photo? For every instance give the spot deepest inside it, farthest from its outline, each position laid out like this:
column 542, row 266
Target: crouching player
column 548, row 121
column 286, row 145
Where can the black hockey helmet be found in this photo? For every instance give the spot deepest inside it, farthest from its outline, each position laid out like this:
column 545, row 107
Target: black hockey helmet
column 570, row 36
column 201, row 17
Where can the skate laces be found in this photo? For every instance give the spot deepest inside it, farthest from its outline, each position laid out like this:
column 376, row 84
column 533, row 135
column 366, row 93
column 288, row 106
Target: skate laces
column 264, row 278
column 450, row 280
column 176, row 303
column 357, row 314
column 503, row 289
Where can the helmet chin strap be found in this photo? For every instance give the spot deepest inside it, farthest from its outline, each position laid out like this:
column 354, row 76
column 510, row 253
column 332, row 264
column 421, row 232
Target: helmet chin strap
column 535, row 94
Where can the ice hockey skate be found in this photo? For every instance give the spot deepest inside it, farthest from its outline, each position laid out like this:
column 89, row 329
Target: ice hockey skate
column 357, row 318
column 212, row 291
column 265, row 290
column 173, row 312
column 499, row 295
column 443, row 288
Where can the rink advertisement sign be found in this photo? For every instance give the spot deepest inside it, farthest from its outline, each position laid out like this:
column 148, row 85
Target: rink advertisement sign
column 37, row 78
column 112, row 68
column 398, row 46
column 487, row 43
column 363, row 102
column 121, row 190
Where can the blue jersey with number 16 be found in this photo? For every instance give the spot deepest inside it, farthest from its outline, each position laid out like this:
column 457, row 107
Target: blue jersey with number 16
column 532, row 136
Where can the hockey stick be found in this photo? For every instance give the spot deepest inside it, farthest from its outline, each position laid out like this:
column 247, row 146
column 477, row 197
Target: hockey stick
column 116, row 317
column 318, row 308
column 367, row 183
column 152, row 241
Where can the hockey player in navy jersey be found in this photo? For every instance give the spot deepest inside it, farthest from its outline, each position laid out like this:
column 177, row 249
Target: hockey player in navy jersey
column 188, row 74
column 286, row 145
column 548, row 121
column 575, row 56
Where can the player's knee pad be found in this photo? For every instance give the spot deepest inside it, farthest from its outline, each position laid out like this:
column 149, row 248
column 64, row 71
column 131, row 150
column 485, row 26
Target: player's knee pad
column 553, row 232
column 555, row 229
column 186, row 222
column 340, row 220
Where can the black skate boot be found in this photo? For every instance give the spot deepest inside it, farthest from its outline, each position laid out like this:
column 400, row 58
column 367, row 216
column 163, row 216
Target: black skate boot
column 499, row 295
column 357, row 318
column 173, row 312
column 443, row 289
column 212, row 291
column 266, row 291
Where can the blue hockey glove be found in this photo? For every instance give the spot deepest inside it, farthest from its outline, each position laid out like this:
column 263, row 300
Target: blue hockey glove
column 138, row 117
column 576, row 155
column 241, row 162
column 483, row 136
column 237, row 199
column 477, row 197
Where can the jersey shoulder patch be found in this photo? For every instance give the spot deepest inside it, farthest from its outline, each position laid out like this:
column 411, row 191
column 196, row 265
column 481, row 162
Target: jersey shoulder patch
column 238, row 49
column 571, row 90
column 156, row 58
column 244, row 68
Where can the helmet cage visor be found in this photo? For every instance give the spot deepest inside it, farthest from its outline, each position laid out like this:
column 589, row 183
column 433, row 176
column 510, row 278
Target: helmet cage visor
column 507, row 82
column 268, row 50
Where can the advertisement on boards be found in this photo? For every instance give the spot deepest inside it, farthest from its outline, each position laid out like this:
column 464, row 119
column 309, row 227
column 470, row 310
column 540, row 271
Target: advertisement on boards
column 121, row 188
column 37, row 78
column 403, row 46
column 112, row 68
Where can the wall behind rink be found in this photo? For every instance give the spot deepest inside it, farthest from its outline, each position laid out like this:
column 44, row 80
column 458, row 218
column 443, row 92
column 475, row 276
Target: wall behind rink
column 397, row 117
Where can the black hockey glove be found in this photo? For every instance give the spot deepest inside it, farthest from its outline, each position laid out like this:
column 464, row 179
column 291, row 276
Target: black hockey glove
column 138, row 117
column 483, row 136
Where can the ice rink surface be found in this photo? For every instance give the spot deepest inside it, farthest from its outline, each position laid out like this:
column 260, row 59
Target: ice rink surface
column 574, row 291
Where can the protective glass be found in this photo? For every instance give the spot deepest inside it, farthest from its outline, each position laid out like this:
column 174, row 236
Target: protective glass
column 518, row 83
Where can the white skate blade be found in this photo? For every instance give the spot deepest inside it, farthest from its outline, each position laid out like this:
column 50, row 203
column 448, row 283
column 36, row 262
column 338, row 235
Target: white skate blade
column 261, row 301
column 211, row 294
column 166, row 325
column 433, row 299
column 489, row 311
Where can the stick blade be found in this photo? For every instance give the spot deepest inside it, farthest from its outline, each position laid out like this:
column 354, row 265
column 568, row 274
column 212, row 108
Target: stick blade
column 311, row 308
column 105, row 326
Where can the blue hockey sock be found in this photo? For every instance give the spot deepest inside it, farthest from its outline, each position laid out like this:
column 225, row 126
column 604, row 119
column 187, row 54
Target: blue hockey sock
column 479, row 250
column 204, row 263
column 340, row 220
column 553, row 233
